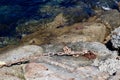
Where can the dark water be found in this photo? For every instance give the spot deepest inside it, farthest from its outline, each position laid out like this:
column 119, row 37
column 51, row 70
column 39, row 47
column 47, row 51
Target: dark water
column 15, row 12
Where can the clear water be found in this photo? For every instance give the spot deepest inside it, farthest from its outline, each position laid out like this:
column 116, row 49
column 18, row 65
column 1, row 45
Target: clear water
column 15, row 12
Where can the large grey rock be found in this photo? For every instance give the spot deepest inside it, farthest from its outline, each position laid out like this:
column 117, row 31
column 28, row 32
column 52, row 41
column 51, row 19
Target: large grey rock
column 97, row 47
column 55, row 67
column 42, row 71
column 20, row 54
column 78, row 13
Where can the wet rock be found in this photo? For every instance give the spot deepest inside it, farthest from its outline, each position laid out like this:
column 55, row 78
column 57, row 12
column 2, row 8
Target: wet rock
column 92, row 73
column 107, row 5
column 84, row 32
column 58, row 22
column 8, row 77
column 111, row 18
column 4, row 41
column 104, row 4
column 49, row 11
column 57, row 32
column 77, row 14
column 20, row 54
column 27, row 27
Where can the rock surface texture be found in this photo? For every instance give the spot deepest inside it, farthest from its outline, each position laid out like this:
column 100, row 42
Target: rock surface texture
column 73, row 61
column 115, row 38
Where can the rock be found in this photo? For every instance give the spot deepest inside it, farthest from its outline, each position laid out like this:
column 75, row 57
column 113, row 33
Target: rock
column 107, row 5
column 104, row 4
column 115, row 76
column 54, row 67
column 57, row 32
column 28, row 27
column 111, row 18
column 111, row 65
column 4, row 41
column 84, row 32
column 100, row 49
column 37, row 71
column 115, row 38
column 20, row 54
column 59, row 21
column 12, row 73
column 42, row 71
column 78, row 14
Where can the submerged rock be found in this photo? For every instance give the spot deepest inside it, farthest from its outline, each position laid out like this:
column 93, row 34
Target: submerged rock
column 57, row 32
column 5, row 41
column 77, row 14
column 111, row 18
column 42, row 71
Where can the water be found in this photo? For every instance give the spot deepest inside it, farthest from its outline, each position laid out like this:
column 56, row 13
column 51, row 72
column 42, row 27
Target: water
column 15, row 12
column 12, row 11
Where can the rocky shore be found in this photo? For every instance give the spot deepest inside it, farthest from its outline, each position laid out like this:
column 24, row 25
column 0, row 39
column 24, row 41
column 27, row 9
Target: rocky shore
column 20, row 18
column 81, row 51
column 67, row 47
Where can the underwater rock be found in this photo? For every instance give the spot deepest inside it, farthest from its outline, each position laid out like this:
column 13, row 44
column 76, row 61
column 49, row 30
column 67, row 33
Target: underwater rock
column 107, row 5
column 4, row 41
column 111, row 18
column 77, row 13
